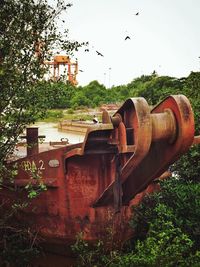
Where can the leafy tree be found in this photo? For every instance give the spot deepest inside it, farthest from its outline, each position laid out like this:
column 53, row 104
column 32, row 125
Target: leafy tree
column 177, row 201
column 158, row 88
column 28, row 30
column 79, row 99
column 166, row 225
column 58, row 94
column 138, row 85
column 119, row 93
column 91, row 95
column 95, row 92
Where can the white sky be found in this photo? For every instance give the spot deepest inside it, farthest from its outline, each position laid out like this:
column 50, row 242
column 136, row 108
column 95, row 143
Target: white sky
column 165, row 37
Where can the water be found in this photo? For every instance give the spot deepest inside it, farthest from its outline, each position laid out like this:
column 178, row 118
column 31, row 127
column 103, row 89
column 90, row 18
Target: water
column 52, row 133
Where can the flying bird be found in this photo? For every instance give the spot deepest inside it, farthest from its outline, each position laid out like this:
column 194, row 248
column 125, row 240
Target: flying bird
column 127, row 37
column 81, row 70
column 86, row 50
column 137, row 13
column 99, row 54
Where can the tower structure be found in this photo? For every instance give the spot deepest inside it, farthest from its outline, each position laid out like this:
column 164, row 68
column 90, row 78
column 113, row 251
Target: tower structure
column 70, row 68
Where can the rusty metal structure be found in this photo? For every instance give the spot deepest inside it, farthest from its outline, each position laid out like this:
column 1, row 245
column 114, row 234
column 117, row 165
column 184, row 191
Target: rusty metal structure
column 106, row 173
column 65, row 61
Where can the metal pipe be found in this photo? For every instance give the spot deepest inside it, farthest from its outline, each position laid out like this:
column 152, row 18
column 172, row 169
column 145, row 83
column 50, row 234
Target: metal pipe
column 32, row 140
column 163, row 126
column 116, row 120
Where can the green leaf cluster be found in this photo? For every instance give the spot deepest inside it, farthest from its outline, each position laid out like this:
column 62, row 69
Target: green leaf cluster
column 166, row 225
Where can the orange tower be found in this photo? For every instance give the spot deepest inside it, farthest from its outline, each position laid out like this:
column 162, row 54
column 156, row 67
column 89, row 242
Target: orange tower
column 71, row 68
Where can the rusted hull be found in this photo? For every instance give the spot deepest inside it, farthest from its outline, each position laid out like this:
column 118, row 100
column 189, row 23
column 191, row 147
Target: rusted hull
column 65, row 209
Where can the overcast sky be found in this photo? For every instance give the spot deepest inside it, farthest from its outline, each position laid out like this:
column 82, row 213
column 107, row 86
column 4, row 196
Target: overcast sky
column 164, row 36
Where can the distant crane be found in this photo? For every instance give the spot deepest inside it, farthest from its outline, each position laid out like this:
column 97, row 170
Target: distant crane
column 58, row 60
column 64, row 60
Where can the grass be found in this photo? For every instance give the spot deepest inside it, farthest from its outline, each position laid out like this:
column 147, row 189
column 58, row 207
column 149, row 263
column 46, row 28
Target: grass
column 55, row 115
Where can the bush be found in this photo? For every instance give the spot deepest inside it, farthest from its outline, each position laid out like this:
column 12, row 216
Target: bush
column 53, row 115
column 89, row 255
column 167, row 231
column 166, row 225
column 70, row 111
column 19, row 247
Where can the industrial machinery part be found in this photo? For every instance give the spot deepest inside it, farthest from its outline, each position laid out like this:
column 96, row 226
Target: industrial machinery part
column 95, row 182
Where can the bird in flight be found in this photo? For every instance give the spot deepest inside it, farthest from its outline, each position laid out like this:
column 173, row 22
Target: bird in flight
column 137, row 13
column 127, row 37
column 81, row 70
column 86, row 50
column 99, row 54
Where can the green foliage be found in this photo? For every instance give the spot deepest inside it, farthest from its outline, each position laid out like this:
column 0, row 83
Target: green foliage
column 58, row 94
column 94, row 255
column 89, row 96
column 61, row 95
column 168, row 247
column 79, row 99
column 88, row 255
column 35, row 185
column 183, row 201
column 154, row 88
column 53, row 115
column 70, row 111
column 188, row 167
column 19, row 247
column 78, row 116
column 166, row 225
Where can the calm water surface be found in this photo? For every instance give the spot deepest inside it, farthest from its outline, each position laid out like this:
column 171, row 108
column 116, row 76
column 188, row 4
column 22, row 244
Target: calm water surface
column 52, row 133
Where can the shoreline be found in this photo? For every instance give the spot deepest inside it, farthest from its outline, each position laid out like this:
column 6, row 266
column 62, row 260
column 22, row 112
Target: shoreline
column 74, row 126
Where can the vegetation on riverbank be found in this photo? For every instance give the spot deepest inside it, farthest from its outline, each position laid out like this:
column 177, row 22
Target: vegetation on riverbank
column 55, row 115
